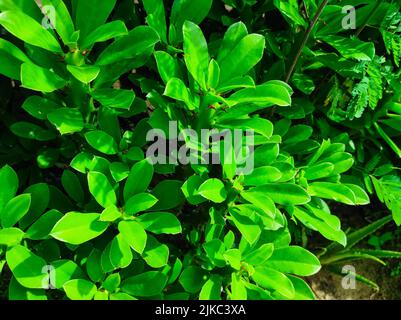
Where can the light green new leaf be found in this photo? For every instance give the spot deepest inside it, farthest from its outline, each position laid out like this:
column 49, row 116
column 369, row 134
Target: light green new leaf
column 213, row 190
column 139, row 202
column 176, row 89
column 120, row 252
column 134, row 234
column 77, row 228
column 11, row 236
column 84, row 74
column 101, row 189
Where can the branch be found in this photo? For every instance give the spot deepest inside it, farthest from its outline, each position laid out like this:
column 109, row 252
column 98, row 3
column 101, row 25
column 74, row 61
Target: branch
column 305, row 40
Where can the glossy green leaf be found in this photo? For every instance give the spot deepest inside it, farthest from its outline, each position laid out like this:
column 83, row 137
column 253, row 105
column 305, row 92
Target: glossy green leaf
column 77, row 228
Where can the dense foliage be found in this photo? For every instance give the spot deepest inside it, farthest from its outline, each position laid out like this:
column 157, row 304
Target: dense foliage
column 85, row 213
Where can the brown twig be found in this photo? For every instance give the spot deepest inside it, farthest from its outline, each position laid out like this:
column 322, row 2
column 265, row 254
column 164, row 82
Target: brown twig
column 305, row 40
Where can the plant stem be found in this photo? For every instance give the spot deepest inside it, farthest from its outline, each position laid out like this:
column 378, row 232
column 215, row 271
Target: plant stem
column 305, row 40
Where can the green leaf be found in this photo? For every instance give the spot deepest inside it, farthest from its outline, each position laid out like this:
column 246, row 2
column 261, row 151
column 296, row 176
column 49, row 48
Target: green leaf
column 156, row 17
column 90, row 14
column 273, row 280
column 63, row 22
column 196, row 53
column 213, row 190
column 112, row 282
column 265, row 95
column 242, row 58
column 39, row 107
column 169, row 194
column 139, row 179
column 242, row 220
column 79, row 289
column 167, row 66
column 320, row 224
column 176, row 89
column 192, row 10
column 139, row 41
column 14, row 210
column 262, row 175
column 213, row 77
column 193, row 278
column 319, row 171
column 112, row 98
column 42, row 227
column 160, row 222
column 101, row 141
column 155, row 253
column 260, row 200
column 295, row 260
column 190, row 190
column 72, row 186
column 211, row 290
column 65, row 270
column 101, row 189
column 40, row 79
column 104, row 32
column 12, row 58
column 134, row 234
column 67, row 120
column 332, row 191
column 139, row 202
column 110, row 214
column 238, row 290
column 84, row 74
column 283, row 193
column 9, row 181
column 120, row 252
column 146, row 284
column 40, row 197
column 27, row 267
column 31, row 131
column 93, row 266
column 77, row 228
column 28, row 30
column 351, row 48
column 11, row 236
column 260, row 255
column 18, row 292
